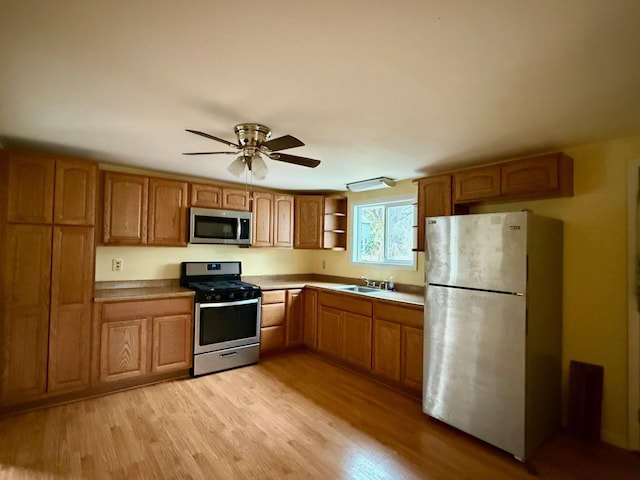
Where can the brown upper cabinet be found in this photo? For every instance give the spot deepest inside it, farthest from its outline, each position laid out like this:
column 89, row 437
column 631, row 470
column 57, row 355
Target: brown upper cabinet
column 476, row 184
column 139, row 210
column 167, row 222
column 283, row 220
column 206, row 196
column 75, row 192
column 434, row 200
column 214, row 196
column 30, row 184
column 320, row 222
column 272, row 220
column 309, row 221
column 235, row 199
column 542, row 176
column 125, row 209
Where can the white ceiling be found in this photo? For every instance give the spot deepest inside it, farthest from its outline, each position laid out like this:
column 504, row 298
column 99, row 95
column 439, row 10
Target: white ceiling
column 400, row 88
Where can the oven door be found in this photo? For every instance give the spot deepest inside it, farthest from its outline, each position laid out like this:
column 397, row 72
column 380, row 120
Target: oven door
column 226, row 325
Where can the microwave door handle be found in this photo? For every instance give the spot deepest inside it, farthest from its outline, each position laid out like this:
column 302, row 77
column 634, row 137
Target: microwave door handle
column 238, row 229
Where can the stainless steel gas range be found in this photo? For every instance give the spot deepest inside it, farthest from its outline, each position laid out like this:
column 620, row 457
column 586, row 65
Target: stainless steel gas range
column 226, row 318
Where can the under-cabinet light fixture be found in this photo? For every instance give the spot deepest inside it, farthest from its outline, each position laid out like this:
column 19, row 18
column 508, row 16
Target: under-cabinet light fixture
column 372, row 184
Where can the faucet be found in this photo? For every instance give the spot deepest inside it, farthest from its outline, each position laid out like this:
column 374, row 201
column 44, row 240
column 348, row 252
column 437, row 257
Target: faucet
column 383, row 285
column 367, row 282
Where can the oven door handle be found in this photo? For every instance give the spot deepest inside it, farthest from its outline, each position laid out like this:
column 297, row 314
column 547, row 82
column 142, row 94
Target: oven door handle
column 233, row 303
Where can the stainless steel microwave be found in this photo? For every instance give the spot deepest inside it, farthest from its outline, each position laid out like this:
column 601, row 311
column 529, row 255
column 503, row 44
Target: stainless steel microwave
column 207, row 225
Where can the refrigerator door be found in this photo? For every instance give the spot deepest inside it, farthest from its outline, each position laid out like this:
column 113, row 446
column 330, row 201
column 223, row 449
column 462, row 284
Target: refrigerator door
column 474, row 364
column 484, row 251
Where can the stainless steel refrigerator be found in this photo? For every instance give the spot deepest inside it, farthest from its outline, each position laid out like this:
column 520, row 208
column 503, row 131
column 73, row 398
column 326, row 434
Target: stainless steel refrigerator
column 493, row 326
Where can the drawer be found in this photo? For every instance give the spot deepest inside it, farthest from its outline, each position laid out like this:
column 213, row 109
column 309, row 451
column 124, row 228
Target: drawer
column 397, row 313
column 273, row 296
column 146, row 308
column 346, row 302
column 272, row 338
column 272, row 314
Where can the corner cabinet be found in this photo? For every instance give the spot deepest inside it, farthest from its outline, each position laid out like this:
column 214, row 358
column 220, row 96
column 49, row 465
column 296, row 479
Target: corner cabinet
column 47, row 265
column 320, row 222
column 139, row 210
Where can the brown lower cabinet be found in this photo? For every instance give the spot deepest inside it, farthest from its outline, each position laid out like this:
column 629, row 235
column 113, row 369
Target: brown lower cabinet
column 144, row 337
column 280, row 320
column 398, row 343
column 344, row 328
column 46, row 317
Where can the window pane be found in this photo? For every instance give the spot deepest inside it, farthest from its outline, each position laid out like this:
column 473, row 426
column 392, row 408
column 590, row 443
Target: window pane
column 371, row 233
column 383, row 232
column 400, row 233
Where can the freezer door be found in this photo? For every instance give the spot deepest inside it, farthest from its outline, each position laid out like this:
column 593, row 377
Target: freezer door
column 474, row 364
column 485, row 251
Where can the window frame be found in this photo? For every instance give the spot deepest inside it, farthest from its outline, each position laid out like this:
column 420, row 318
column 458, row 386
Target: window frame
column 354, row 228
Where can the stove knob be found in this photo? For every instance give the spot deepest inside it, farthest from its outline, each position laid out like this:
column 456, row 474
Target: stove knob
column 231, row 295
column 217, row 297
column 207, row 298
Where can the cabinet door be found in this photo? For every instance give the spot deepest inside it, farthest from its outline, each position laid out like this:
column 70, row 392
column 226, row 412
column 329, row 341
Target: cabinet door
column 386, row 349
column 262, row 218
column 71, row 297
column 283, row 221
column 167, row 212
column 357, row 339
column 172, row 343
column 125, row 209
column 476, row 184
column 434, row 200
column 206, row 196
column 30, row 188
column 272, row 339
column 412, row 342
column 75, row 192
column 25, row 312
column 235, row 199
column 310, row 317
column 308, row 221
column 541, row 176
column 123, row 349
column 330, row 331
column 272, row 314
column 294, row 318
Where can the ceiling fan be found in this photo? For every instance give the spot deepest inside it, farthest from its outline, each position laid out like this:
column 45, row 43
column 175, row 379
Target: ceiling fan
column 253, row 141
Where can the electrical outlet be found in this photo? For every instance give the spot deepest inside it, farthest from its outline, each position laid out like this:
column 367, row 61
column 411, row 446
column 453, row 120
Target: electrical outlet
column 117, row 264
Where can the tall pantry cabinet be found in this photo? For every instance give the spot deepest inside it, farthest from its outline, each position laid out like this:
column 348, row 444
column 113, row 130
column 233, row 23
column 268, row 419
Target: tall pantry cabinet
column 47, row 222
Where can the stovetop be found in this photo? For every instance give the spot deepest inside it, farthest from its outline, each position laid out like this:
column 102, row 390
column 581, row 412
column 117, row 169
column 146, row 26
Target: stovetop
column 221, row 285
column 217, row 281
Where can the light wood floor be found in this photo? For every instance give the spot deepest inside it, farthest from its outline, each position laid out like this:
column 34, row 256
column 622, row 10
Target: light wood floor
column 293, row 416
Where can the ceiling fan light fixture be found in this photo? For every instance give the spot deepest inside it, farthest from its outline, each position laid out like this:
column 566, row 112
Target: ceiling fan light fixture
column 258, row 167
column 371, row 184
column 237, row 166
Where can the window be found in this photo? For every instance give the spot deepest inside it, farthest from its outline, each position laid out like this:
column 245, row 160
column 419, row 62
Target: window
column 383, row 232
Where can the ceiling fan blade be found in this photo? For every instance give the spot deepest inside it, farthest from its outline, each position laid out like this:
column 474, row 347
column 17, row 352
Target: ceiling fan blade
column 282, row 143
column 304, row 161
column 206, row 135
column 210, row 153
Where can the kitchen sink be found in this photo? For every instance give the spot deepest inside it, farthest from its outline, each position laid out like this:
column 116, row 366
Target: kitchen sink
column 358, row 289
